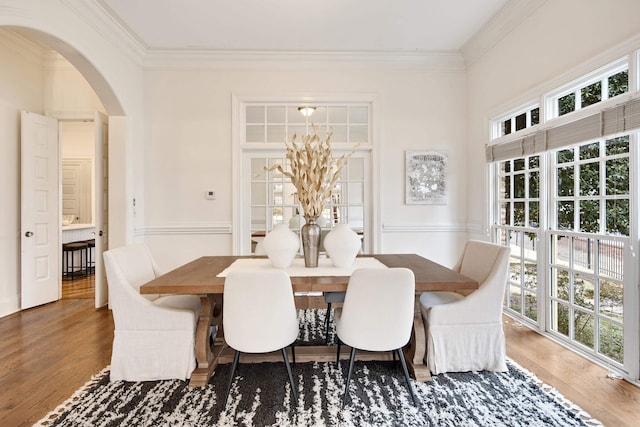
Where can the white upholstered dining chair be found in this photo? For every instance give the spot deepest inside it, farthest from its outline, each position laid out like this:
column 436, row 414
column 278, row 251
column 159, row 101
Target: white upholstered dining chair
column 259, row 316
column 154, row 336
column 464, row 330
column 377, row 315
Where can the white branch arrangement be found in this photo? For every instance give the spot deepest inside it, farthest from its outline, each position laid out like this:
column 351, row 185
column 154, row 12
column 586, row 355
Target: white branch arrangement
column 314, row 170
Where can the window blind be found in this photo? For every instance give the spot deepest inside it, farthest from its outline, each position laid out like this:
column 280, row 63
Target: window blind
column 610, row 121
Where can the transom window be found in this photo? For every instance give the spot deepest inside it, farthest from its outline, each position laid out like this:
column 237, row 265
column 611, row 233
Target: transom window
column 608, row 83
column 522, row 119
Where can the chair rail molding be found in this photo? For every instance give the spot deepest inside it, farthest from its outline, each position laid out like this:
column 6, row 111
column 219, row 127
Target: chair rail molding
column 425, row 228
column 184, row 228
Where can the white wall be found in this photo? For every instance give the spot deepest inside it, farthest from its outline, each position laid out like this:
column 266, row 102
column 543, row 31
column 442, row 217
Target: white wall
column 188, row 147
column 560, row 41
column 21, row 82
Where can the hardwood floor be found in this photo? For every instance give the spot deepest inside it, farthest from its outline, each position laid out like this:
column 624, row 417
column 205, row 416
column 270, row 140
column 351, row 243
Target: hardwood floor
column 50, row 351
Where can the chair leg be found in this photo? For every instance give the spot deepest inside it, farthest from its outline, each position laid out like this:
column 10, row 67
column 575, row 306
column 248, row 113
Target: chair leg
column 293, row 385
column 406, row 374
column 236, row 357
column 327, row 322
column 352, row 359
column 293, row 353
column 338, row 351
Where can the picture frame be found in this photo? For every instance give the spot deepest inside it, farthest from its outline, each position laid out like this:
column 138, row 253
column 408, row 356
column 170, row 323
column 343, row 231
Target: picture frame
column 426, row 177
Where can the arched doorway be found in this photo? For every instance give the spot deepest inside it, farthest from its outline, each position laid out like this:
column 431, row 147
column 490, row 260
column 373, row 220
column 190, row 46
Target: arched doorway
column 106, row 91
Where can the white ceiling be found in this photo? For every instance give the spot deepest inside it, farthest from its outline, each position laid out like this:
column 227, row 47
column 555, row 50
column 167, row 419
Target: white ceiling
column 304, row 25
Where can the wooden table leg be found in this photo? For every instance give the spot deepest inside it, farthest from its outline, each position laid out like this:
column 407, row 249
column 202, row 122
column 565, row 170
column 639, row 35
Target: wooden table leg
column 206, row 358
column 415, row 350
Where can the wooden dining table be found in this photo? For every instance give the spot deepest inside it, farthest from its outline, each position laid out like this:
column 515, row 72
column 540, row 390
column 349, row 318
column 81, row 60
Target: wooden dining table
column 201, row 277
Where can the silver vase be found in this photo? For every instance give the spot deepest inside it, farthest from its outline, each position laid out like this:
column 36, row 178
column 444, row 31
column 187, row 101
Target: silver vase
column 310, row 241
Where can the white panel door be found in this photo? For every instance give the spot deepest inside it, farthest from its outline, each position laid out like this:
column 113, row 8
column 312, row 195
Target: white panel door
column 101, row 206
column 40, row 219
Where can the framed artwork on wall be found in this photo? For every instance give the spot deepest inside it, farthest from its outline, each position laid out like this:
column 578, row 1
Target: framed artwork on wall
column 426, row 177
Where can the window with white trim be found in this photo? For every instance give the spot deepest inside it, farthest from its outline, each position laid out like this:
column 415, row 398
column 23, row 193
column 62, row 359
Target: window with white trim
column 564, row 202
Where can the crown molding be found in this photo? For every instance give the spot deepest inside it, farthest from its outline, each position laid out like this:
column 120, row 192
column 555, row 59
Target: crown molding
column 198, row 59
column 500, row 26
column 100, row 18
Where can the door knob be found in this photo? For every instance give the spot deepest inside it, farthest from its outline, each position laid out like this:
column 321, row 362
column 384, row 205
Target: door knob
column 28, row 234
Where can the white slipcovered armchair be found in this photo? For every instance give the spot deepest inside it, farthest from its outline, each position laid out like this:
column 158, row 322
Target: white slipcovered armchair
column 154, row 336
column 464, row 330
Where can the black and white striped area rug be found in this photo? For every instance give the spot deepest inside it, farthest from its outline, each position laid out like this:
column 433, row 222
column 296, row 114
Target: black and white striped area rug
column 261, row 396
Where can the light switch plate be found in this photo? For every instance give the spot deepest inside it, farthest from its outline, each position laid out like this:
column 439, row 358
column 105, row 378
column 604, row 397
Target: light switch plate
column 210, row 195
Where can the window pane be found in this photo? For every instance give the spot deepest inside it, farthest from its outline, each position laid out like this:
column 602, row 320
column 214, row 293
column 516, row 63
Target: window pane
column 515, row 298
column 531, row 275
column 590, row 179
column 583, row 291
column 617, row 145
column 339, row 134
column 506, row 181
column 298, row 130
column 535, row 116
column 560, row 318
column 518, row 164
column 521, row 121
column 255, row 133
column 611, row 259
column 564, row 156
column 258, row 218
column 518, row 186
column 534, row 162
column 258, row 171
column 617, row 176
column 565, row 215
column 294, row 116
column 591, row 94
column 590, row 216
column 337, row 114
column 531, row 305
column 583, row 328
column 358, row 115
column 255, row 114
column 566, row 104
column 560, row 284
column 358, row 133
column 611, row 300
column 505, row 213
column 534, row 214
column 276, row 114
column 565, row 181
column 619, row 83
column 611, row 340
column 518, row 213
column 589, row 151
column 617, row 216
column 356, row 192
column 583, row 254
column 507, row 166
column 506, row 127
column 258, row 193
column 356, row 169
column 534, row 185
column 276, row 133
